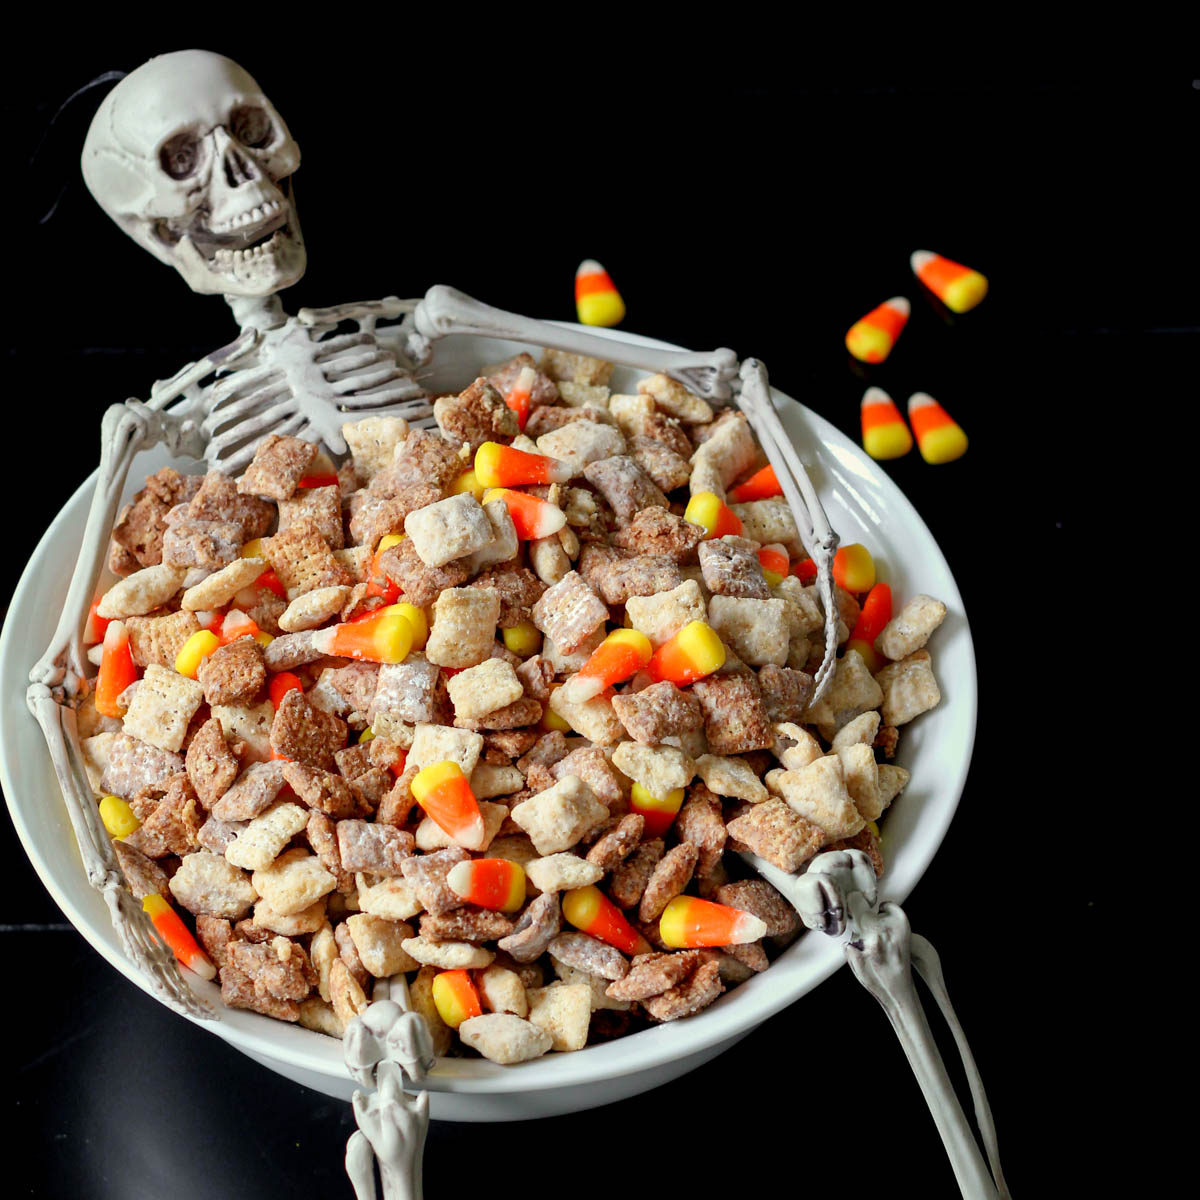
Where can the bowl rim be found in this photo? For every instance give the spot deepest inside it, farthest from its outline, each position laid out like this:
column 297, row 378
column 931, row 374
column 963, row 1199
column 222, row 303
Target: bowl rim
column 733, row 1014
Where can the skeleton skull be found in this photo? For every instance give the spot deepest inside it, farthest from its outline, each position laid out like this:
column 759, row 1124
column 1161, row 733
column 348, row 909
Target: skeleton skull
column 190, row 158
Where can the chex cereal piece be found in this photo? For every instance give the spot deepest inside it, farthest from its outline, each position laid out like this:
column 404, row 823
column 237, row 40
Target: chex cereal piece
column 536, row 675
column 278, row 968
column 372, row 515
column 851, row 692
column 477, row 415
column 293, row 882
column 348, row 999
column 346, row 690
column 769, row 521
column 629, row 879
column 439, row 743
column 909, row 688
column 512, row 743
column 561, row 872
column 502, row 991
column 558, row 817
column 318, row 1015
column 668, row 880
column 659, row 769
column 313, row 609
column 482, row 689
column 550, row 748
column 305, row 734
column 140, row 525
column 423, row 457
column 909, row 630
column 592, row 766
column 758, row 897
column 892, row 781
column 700, row 822
column 659, row 711
column 657, row 531
column 536, row 928
column 466, row 924
column 818, row 793
column 291, row 650
column 519, row 589
column 503, row 375
column 279, row 464
column 490, row 779
column 464, row 626
column 729, row 447
column 774, row 832
column 672, row 398
column 211, row 765
column 380, row 944
column 569, row 611
column 521, row 712
column 252, row 794
column 661, row 617
column 162, row 708
column 564, row 1011
column 666, row 469
column 214, row 934
column 755, row 630
column 320, row 505
column 393, row 898
column 580, row 442
column 449, row 529
column 631, row 413
column 731, row 568
column 143, row 875
column 504, row 544
column 407, row 690
column 735, row 719
column 321, row 790
column 589, row 954
column 141, row 592
column 861, row 774
column 159, row 639
column 420, row 990
column 427, row 875
column 348, row 953
column 795, row 747
column 575, row 368
column 372, row 442
column 376, row 849
column 208, row 544
column 505, row 1038
column 133, row 764
column 596, row 985
column 237, row 991
column 697, row 991
column 608, row 851
column 617, row 575
column 583, row 395
column 626, row 487
column 594, row 719
column 221, row 586
column 218, row 499
column 731, row 777
column 233, row 674
column 307, row 920
column 652, row 974
column 448, row 956
column 207, row 883
column 321, row 832
column 259, row 844
column 862, row 729
column 564, row 663
column 302, row 560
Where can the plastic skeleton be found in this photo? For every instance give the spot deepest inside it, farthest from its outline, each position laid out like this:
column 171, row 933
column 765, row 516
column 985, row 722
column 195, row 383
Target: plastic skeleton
column 191, row 159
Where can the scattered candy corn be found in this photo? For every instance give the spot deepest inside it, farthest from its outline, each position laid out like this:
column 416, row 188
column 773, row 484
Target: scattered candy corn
column 551, row 721
column 383, row 636
column 118, row 817
column 621, row 655
column 709, row 510
column 518, row 398
column 175, row 933
column 854, row 568
column 418, row 620
column 468, row 481
column 592, row 912
column 957, row 287
column 502, row 467
column 695, row 651
column 236, row 624
column 281, row 684
column 523, row 640
column 774, row 562
column 93, row 631
column 269, row 579
column 884, row 433
column 871, row 338
column 805, row 570
column 876, row 612
column 489, row 883
column 597, row 301
column 533, row 518
column 455, row 997
column 320, row 479
column 658, row 814
column 762, row 485
column 117, row 669
column 444, row 792
column 688, row 922
column 939, row 438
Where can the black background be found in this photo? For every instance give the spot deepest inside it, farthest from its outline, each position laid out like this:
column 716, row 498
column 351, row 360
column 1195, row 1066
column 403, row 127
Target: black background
column 766, row 219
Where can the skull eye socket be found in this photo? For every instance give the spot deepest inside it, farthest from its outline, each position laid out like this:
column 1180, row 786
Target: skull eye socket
column 180, row 156
column 251, row 126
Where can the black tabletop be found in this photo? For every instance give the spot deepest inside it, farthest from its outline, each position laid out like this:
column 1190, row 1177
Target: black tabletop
column 768, row 221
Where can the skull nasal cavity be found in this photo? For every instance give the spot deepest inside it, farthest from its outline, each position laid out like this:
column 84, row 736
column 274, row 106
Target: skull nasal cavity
column 238, row 170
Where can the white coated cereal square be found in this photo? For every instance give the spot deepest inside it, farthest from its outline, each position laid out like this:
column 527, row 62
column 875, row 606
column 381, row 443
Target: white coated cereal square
column 373, row 442
column 851, row 692
column 490, row 779
column 675, row 400
column 578, row 443
column 482, row 689
column 391, row 897
column 558, row 817
column 443, row 743
column 314, row 608
column 162, row 707
column 561, row 872
column 595, row 718
column 755, row 630
column 258, row 845
column 768, row 521
column 294, row 881
column 862, row 779
column 730, row 777
column 380, row 944
column 564, row 1011
column 448, row 529
column 464, row 626
column 209, row 884
column 504, row 544
column 909, row 689
column 504, row 1038
column 662, row 616
column 659, row 769
column 909, row 630
column 818, row 793
column 251, row 725
column 141, row 592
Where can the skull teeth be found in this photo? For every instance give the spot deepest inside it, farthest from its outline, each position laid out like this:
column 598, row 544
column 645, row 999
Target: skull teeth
column 225, row 257
column 252, row 216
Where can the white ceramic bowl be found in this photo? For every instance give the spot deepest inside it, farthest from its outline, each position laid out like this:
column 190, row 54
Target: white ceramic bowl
column 863, row 505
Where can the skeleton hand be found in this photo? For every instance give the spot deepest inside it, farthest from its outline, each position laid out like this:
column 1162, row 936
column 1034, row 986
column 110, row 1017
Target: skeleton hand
column 835, row 890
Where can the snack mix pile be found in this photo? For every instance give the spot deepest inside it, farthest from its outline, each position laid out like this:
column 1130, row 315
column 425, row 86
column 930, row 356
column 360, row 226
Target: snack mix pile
column 487, row 706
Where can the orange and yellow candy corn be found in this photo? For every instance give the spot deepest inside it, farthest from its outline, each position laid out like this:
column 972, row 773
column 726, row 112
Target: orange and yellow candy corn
column 957, row 287
column 593, row 913
column 709, row 510
column 281, row 684
column 489, row 882
column 498, row 466
column 384, row 636
column 805, row 570
column 468, row 481
column 597, row 300
column 418, row 620
column 762, row 485
column 533, row 518
column 175, row 933
column 237, row 624
column 871, row 338
column 695, row 651
column 854, row 568
column 774, row 562
column 455, row 997
column 195, row 650
column 444, row 792
column 876, row 612
column 619, row 657
column 93, row 631
column 520, row 394
column 689, row 922
column 939, row 437
column 884, row 433
column 117, row 669
column 658, row 814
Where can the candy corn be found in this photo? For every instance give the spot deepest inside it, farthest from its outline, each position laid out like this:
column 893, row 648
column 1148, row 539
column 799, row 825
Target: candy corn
column 854, row 568
column 489, row 883
column 688, row 922
column 939, row 438
column 709, row 510
column 762, row 485
column 695, row 651
column 523, row 640
column 418, row 620
column 502, row 467
column 658, row 814
column 957, row 287
column 533, row 518
column 237, row 624
column 455, row 997
column 551, row 721
column 175, row 933
column 622, row 654
column 117, row 669
column 592, row 912
column 383, row 636
column 884, row 433
column 319, row 479
column 871, row 339
column 774, row 562
column 518, row 398
column 93, row 631
column 597, row 301
column 118, row 817
column 281, row 684
column 805, row 570
column 444, row 792
column 468, row 481
column 195, row 650
column 876, row 612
